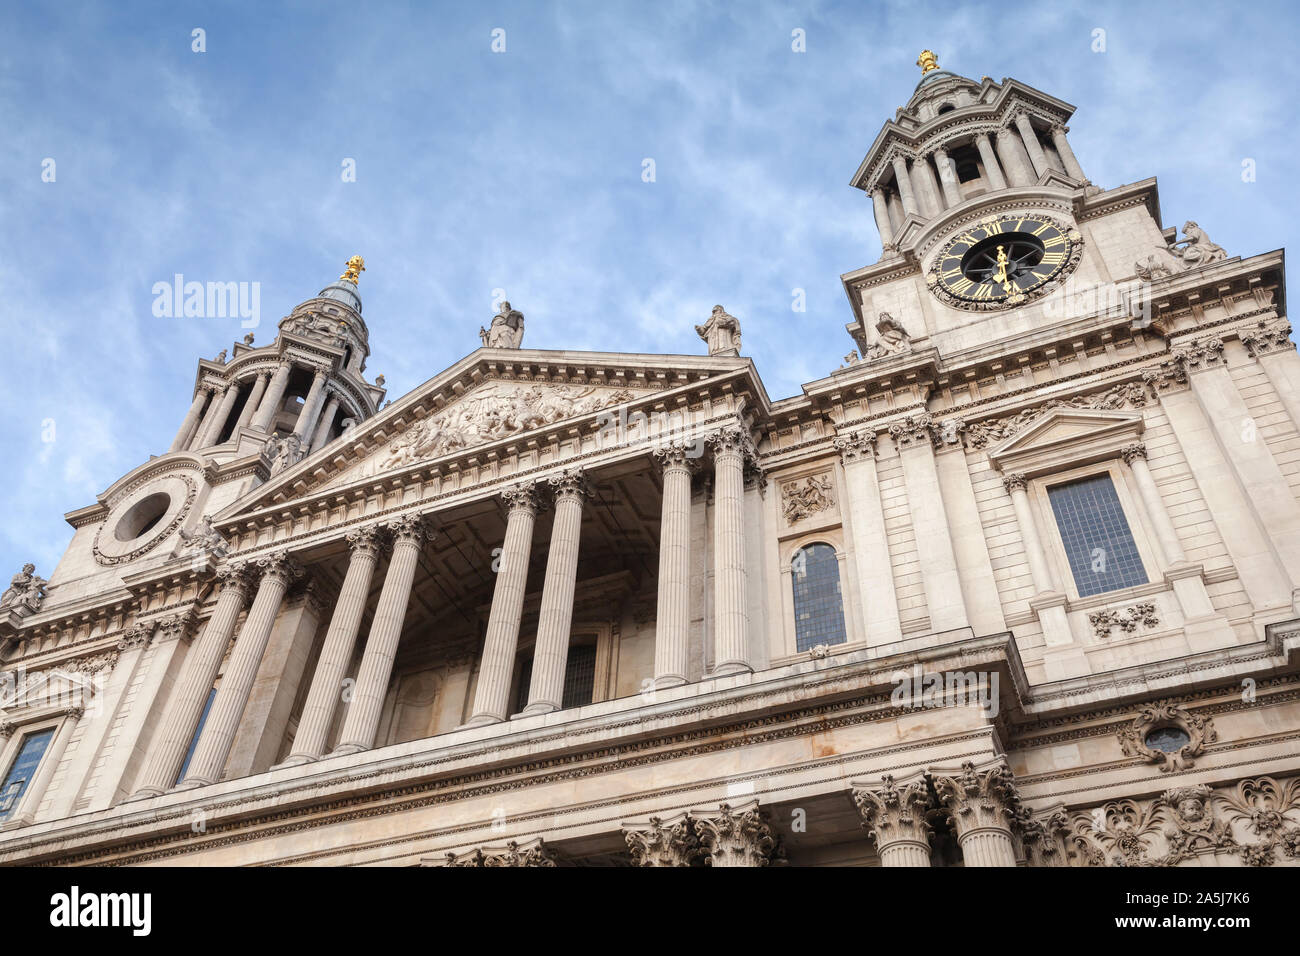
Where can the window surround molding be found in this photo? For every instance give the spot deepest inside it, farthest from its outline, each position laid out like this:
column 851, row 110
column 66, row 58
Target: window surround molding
column 15, row 727
column 833, row 537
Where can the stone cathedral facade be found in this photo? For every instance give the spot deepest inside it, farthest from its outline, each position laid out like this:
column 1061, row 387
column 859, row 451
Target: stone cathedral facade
column 1016, row 584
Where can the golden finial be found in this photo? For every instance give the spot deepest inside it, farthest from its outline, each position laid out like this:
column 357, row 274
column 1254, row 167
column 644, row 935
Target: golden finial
column 356, row 266
column 927, row 61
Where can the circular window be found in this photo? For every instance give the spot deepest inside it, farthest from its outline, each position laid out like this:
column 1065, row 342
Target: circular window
column 142, row 517
column 1168, row 740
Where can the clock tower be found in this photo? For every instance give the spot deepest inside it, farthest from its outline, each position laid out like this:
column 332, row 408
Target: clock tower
column 989, row 227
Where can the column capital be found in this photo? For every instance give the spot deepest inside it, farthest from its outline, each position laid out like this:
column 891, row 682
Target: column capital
column 977, row 798
column 234, row 577
column 1270, row 335
column 738, row 836
column 677, row 454
column 982, row 137
column 1014, row 481
column 570, row 484
column 913, row 431
column 732, row 440
column 522, row 497
column 278, row 566
column 663, row 841
column 366, row 541
column 7, row 728
column 408, row 529
column 136, row 635
column 855, row 446
column 893, row 814
column 532, row 852
column 1132, row 452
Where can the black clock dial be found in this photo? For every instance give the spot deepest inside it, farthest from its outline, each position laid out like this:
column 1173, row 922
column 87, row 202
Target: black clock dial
column 999, row 260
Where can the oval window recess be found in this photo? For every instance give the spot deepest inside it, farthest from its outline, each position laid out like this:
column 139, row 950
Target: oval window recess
column 142, row 517
column 1168, row 740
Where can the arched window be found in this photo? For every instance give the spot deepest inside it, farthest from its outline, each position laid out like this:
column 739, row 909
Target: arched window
column 818, row 604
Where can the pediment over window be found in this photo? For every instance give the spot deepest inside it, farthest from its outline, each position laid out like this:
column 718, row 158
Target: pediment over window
column 1066, row 438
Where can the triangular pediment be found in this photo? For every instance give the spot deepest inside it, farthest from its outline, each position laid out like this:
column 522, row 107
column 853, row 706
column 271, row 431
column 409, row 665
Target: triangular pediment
column 492, row 399
column 1063, row 436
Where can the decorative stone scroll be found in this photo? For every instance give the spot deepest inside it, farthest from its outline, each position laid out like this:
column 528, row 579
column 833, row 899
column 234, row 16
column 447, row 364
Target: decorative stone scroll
column 1134, row 739
column 1128, row 620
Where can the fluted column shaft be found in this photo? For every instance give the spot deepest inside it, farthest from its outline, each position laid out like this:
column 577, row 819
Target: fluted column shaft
column 237, row 683
column 212, row 433
column 673, row 617
column 554, row 620
column 497, row 667
column 947, row 177
column 190, row 694
column 1068, row 158
column 254, row 399
column 1032, row 146
column 310, row 408
column 273, row 398
column 362, row 721
column 905, row 853
column 340, row 641
column 1012, row 153
column 730, row 618
column 990, row 161
column 322, row 434
column 186, row 431
column 205, row 424
column 904, row 181
column 881, row 209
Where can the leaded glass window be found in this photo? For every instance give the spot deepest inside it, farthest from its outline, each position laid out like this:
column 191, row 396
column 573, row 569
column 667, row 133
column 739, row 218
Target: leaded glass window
column 23, row 769
column 818, row 603
column 1098, row 542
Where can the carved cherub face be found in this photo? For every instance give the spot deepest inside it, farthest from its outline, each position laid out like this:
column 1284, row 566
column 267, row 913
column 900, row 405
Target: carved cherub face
column 1191, row 808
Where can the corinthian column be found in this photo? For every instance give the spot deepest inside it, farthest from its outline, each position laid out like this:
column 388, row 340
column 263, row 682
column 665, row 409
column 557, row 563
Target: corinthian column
column 340, row 640
column 990, row 161
column 310, row 408
column 731, row 447
column 881, row 208
column 254, row 399
column 663, row 841
column 321, row 436
column 190, row 694
column 673, row 618
column 385, row 631
column 896, row 819
column 186, row 432
column 1032, row 146
column 904, row 186
column 947, row 177
column 212, row 428
column 738, row 836
column 981, row 805
column 495, row 671
column 271, row 401
column 551, row 651
column 1063, row 150
column 1014, row 159
column 209, row 760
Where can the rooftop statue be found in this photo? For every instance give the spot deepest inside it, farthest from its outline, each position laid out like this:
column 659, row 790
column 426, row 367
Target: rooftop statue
column 506, row 330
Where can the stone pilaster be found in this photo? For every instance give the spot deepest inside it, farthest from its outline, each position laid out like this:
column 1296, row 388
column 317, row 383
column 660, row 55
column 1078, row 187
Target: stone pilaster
column 731, row 448
column 340, row 641
column 738, row 836
column 673, row 617
column 877, row 595
column 982, row 804
column 276, row 572
column 555, row 618
column 497, row 667
column 362, row 719
column 198, row 672
column 663, row 841
column 896, row 818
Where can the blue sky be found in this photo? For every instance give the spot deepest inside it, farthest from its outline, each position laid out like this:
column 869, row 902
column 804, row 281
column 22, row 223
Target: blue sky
column 522, row 171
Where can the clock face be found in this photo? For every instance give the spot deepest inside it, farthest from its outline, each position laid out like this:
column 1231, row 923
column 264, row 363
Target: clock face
column 1003, row 261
